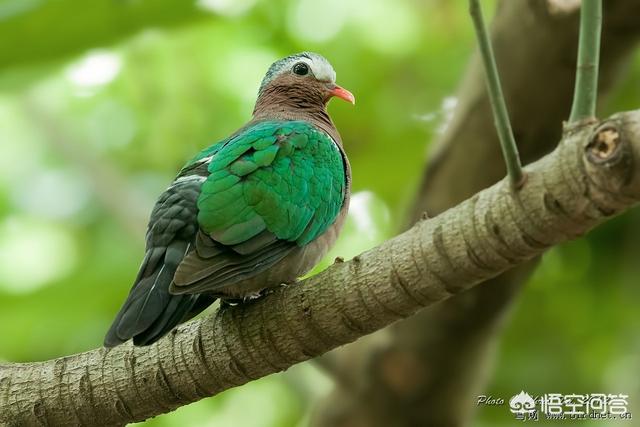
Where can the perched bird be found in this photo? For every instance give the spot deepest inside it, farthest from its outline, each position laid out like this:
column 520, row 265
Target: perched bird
column 253, row 211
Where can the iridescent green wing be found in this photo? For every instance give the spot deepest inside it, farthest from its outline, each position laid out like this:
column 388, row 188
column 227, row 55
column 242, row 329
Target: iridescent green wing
column 272, row 187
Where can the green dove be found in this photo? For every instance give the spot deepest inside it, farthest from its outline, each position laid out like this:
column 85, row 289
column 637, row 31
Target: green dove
column 251, row 212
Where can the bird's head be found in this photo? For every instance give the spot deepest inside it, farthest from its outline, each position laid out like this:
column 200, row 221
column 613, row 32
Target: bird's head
column 302, row 81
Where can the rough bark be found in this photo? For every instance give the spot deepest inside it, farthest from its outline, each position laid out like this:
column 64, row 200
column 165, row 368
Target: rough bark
column 429, row 370
column 591, row 176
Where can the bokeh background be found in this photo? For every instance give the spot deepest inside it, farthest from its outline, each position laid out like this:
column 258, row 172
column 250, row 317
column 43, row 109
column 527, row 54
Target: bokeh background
column 101, row 102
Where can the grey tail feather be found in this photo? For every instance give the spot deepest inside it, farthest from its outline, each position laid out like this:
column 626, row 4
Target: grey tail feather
column 150, row 311
column 173, row 314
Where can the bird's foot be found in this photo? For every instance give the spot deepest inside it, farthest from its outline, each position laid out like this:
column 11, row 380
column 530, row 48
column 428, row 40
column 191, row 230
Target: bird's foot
column 269, row 291
column 251, row 297
column 230, row 302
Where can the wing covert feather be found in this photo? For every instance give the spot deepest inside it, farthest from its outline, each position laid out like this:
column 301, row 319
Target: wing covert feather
column 272, row 187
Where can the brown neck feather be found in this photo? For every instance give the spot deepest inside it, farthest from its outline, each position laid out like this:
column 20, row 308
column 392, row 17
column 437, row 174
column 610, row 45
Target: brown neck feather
column 288, row 99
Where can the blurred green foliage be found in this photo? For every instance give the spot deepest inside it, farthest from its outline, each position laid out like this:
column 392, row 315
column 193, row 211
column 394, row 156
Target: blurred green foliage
column 101, row 102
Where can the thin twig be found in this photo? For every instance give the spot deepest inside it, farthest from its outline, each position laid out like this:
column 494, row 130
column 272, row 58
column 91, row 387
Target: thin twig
column 498, row 105
column 585, row 94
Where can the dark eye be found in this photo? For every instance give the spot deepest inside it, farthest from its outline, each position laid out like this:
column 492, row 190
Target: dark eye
column 301, row 69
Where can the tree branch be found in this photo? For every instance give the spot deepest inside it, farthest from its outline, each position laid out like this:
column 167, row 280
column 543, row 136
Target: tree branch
column 585, row 94
column 591, row 176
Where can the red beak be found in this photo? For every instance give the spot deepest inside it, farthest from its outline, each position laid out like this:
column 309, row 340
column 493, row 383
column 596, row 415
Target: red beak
column 342, row 93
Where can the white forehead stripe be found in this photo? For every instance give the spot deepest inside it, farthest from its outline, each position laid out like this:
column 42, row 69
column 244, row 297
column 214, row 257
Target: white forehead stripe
column 321, row 69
